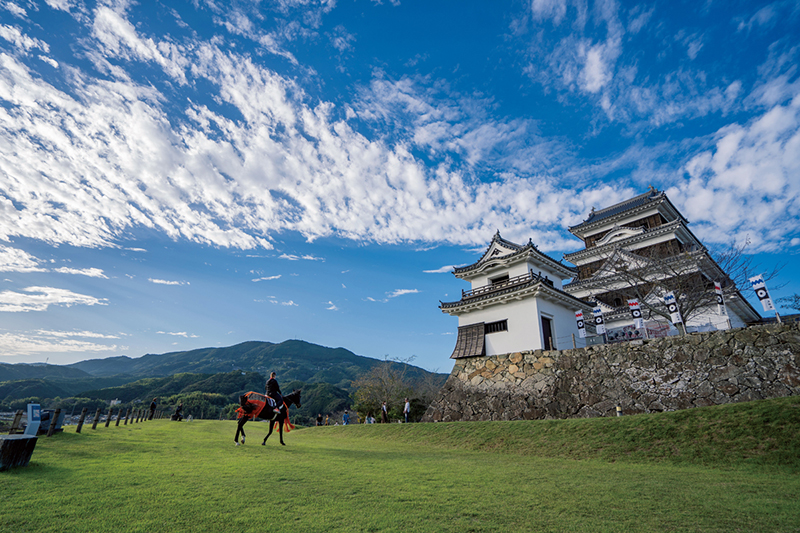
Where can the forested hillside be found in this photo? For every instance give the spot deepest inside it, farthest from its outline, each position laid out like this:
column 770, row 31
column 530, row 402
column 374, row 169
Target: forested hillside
column 292, row 360
column 208, row 381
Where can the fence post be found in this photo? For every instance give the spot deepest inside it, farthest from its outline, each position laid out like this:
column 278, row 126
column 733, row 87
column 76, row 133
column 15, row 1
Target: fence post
column 119, row 415
column 15, row 424
column 81, row 419
column 127, row 415
column 53, row 422
column 96, row 418
column 108, row 418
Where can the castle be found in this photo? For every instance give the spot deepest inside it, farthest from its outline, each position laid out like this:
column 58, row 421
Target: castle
column 637, row 250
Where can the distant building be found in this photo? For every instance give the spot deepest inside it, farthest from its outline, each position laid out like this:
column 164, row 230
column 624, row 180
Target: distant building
column 628, row 235
column 515, row 303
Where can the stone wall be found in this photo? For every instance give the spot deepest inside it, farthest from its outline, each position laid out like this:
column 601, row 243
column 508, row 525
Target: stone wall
column 666, row 374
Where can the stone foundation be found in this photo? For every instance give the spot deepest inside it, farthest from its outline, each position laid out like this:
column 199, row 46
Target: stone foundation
column 648, row 376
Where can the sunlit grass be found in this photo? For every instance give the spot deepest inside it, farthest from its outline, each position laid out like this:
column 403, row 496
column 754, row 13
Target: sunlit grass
column 648, row 473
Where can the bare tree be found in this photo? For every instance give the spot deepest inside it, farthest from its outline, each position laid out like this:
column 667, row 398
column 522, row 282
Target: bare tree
column 385, row 382
column 741, row 266
column 792, row 302
column 649, row 274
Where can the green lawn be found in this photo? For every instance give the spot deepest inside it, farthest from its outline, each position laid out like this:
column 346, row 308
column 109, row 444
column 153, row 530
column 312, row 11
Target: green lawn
column 697, row 470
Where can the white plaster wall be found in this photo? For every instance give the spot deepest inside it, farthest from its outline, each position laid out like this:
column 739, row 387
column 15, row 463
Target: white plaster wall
column 524, row 325
column 563, row 324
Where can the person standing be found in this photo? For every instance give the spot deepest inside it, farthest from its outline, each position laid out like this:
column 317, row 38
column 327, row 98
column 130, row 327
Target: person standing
column 407, row 410
column 274, row 392
column 345, row 418
column 153, row 408
column 384, row 414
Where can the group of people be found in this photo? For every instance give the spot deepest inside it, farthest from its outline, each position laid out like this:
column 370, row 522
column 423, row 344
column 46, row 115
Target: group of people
column 369, row 418
column 177, row 415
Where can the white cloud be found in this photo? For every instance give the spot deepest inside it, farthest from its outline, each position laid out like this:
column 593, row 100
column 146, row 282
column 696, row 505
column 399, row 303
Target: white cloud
column 178, row 334
column 167, row 282
column 331, row 306
column 16, row 260
column 91, row 272
column 67, row 334
column 401, row 292
column 290, row 303
column 94, row 156
column 23, row 344
column 41, row 298
column 267, row 278
column 15, row 9
column 292, row 257
column 442, row 270
column 20, row 40
column 747, row 182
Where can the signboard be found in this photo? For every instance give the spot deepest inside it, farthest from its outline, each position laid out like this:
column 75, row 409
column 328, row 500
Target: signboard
column 636, row 313
column 672, row 307
column 581, row 324
column 720, row 300
column 34, row 419
column 599, row 324
column 761, row 291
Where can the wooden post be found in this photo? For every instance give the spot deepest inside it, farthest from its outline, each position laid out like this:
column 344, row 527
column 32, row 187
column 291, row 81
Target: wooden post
column 53, row 422
column 81, row 419
column 17, row 420
column 108, row 418
column 96, row 418
column 138, row 415
column 574, row 346
column 119, row 415
column 127, row 413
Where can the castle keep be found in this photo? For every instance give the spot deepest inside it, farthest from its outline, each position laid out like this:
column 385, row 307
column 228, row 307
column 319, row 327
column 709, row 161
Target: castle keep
column 520, row 355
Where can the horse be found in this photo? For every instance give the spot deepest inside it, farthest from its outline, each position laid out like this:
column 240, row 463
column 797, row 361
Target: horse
column 282, row 419
column 255, row 405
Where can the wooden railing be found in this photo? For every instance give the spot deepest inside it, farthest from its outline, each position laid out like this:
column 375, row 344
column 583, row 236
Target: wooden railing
column 511, row 282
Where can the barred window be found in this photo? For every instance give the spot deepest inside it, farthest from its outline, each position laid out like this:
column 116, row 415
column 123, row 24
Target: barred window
column 493, row 327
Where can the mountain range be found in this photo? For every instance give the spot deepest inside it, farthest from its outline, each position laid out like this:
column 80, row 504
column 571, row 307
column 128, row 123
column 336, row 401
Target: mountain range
column 292, row 360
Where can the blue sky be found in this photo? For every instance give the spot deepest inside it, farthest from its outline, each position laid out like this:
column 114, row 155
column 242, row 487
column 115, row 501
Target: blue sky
column 177, row 175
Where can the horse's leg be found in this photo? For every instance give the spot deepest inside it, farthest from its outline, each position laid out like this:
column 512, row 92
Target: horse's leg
column 240, row 429
column 280, row 431
column 271, row 423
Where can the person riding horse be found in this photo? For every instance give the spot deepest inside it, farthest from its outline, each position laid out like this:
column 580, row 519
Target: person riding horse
column 274, row 393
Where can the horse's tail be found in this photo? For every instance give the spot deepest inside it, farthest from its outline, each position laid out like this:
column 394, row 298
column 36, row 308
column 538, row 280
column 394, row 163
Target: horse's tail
column 287, row 424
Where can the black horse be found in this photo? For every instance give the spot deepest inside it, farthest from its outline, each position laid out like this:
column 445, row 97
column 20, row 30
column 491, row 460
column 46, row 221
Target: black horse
column 282, row 419
column 253, row 401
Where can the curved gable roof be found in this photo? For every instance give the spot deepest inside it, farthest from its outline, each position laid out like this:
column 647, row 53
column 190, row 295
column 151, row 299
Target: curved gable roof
column 502, row 249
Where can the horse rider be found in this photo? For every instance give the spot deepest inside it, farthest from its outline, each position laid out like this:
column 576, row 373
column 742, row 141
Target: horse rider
column 274, row 393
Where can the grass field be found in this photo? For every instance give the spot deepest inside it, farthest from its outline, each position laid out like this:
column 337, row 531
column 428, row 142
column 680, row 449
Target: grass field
column 727, row 468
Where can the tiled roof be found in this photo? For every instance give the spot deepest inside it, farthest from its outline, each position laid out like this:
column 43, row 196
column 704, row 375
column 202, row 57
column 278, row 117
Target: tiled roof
column 636, row 201
column 517, row 249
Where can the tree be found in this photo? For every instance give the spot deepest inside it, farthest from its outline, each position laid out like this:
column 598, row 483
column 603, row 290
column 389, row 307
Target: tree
column 651, row 273
column 384, row 382
column 792, row 302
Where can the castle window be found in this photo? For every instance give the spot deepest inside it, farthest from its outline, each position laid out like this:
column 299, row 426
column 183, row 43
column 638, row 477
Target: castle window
column 494, row 327
column 500, row 279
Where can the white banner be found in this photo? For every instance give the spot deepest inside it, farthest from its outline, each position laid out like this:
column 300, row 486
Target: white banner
column 672, row 307
column 581, row 324
column 761, row 291
column 599, row 325
column 636, row 313
column 720, row 300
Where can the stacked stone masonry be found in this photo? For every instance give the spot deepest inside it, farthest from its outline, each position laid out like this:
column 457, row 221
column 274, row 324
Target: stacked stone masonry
column 648, row 376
